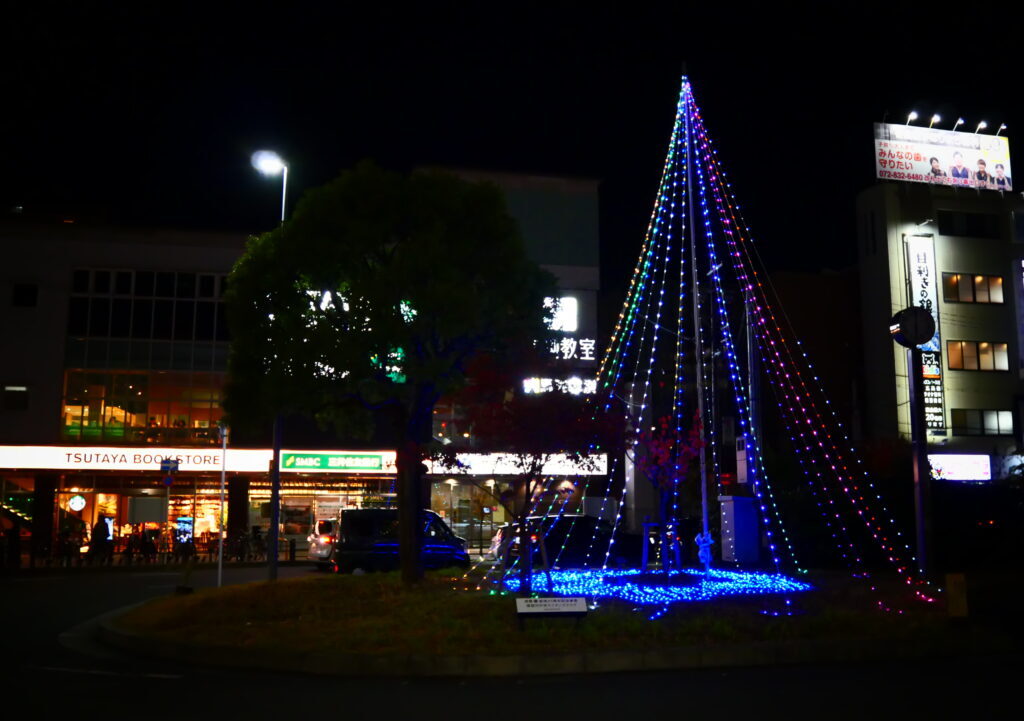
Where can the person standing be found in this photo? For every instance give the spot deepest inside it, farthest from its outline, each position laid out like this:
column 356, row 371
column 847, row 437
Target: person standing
column 99, row 543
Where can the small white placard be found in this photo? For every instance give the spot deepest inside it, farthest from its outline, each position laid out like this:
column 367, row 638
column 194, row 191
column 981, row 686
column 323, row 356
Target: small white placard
column 551, row 605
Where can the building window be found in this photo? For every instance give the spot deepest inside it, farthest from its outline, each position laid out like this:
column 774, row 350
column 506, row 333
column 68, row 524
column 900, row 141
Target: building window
column 969, row 422
column 973, row 225
column 966, row 288
column 25, row 295
column 166, row 407
column 141, row 308
column 15, row 398
column 970, row 355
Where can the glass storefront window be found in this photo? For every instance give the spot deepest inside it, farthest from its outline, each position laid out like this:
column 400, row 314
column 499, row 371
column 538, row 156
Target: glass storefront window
column 178, row 408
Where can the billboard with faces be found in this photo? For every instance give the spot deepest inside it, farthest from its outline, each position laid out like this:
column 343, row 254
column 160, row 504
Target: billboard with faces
column 942, row 157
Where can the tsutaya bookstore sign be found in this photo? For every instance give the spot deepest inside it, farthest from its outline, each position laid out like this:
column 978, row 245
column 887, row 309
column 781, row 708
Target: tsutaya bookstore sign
column 942, row 157
column 244, row 460
column 239, row 460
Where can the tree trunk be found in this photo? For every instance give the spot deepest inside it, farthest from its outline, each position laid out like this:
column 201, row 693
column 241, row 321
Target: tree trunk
column 410, row 529
column 411, row 496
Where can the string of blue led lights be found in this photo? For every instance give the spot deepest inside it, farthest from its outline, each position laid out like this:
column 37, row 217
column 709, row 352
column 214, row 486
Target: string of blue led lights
column 673, row 587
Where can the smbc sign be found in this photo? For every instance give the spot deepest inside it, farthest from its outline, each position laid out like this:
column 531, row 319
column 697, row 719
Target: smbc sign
column 338, row 462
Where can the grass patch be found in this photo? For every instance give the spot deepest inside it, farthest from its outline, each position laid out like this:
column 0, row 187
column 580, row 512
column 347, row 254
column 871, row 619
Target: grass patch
column 375, row 614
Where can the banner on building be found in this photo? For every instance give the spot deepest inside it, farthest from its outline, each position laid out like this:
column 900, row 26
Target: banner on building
column 942, row 157
column 924, row 293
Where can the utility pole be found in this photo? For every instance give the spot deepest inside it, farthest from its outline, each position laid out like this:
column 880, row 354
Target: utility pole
column 911, row 328
column 275, row 501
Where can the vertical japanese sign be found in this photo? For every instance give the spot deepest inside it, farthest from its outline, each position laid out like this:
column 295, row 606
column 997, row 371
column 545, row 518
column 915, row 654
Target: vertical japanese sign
column 923, row 293
column 565, row 319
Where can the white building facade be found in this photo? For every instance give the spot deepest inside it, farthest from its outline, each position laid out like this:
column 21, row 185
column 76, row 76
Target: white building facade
column 960, row 253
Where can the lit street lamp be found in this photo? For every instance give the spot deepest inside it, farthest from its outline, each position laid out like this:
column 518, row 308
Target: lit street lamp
column 270, row 164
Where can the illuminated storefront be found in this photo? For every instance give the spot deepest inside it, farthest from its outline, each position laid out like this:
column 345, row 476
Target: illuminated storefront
column 124, row 360
column 126, row 485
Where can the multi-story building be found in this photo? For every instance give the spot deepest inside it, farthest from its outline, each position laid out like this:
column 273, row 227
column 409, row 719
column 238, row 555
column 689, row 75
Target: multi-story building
column 115, row 359
column 958, row 251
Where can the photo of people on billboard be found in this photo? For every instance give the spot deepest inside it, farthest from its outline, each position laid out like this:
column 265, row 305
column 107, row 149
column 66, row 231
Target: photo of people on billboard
column 942, row 157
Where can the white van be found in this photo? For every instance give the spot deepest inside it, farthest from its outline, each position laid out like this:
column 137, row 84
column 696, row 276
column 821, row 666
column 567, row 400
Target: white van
column 321, row 542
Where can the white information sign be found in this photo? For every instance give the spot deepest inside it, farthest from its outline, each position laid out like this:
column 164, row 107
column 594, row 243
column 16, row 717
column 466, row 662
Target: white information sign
column 960, row 467
column 550, row 606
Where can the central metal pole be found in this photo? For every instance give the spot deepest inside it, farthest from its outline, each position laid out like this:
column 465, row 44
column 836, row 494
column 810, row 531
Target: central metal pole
column 698, row 348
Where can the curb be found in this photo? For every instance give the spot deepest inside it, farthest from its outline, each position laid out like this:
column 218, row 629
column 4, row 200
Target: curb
column 767, row 653
column 40, row 571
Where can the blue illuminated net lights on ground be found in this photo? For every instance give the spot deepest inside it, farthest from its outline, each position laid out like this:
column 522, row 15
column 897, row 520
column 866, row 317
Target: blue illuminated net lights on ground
column 660, row 588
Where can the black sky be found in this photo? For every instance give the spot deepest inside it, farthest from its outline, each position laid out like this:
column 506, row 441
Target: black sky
column 147, row 114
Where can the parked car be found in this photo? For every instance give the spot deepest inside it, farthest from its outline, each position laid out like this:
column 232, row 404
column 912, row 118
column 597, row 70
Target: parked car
column 321, row 543
column 367, row 539
column 570, row 538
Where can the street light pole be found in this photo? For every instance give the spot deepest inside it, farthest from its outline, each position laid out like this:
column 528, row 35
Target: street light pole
column 270, row 163
column 912, row 328
column 284, row 190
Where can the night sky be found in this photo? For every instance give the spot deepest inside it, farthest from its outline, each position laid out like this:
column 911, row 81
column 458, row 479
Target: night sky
column 147, row 115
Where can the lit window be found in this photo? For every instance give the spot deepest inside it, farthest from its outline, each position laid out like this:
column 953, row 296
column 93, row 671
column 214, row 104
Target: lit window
column 986, row 357
column 961, row 288
column 971, row 422
column 995, row 289
column 969, row 355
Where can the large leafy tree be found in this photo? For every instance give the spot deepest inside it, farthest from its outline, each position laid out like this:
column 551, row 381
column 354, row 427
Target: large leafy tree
column 365, row 308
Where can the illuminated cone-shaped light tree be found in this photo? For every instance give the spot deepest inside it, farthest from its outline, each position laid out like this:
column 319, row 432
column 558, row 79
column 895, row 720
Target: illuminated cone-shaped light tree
column 698, row 327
